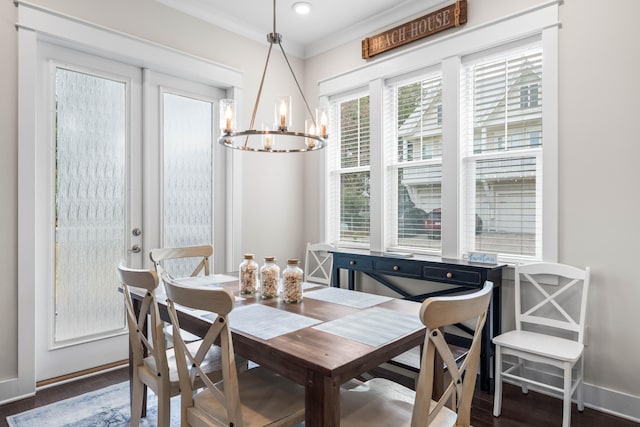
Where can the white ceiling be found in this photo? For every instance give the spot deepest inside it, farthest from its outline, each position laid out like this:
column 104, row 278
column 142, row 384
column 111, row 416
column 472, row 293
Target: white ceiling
column 329, row 24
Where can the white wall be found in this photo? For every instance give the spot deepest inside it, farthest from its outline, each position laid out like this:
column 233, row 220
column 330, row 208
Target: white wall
column 599, row 204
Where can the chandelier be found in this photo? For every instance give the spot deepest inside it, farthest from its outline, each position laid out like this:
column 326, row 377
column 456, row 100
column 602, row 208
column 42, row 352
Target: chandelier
column 276, row 137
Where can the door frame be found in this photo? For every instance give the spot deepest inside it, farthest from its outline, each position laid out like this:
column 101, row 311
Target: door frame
column 36, row 24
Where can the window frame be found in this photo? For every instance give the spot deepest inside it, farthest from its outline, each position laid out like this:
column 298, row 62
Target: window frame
column 337, row 170
column 447, row 52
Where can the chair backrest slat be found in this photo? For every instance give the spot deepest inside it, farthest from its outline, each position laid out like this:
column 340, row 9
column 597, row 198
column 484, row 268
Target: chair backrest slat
column 159, row 257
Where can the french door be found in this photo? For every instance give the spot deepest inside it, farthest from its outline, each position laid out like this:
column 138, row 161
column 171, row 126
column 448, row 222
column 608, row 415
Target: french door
column 125, row 164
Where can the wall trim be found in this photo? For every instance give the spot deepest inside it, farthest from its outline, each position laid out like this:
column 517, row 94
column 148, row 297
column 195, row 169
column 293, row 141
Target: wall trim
column 602, row 399
column 82, row 35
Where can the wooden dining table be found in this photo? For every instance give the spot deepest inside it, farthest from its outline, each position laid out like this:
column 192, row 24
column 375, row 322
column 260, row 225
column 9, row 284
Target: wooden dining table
column 331, row 337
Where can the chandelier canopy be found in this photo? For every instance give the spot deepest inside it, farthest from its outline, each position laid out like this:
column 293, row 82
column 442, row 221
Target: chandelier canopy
column 275, row 138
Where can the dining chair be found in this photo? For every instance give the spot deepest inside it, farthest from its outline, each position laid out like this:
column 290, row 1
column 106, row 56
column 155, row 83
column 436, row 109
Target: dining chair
column 153, row 365
column 318, row 263
column 550, row 311
column 383, row 402
column 254, row 397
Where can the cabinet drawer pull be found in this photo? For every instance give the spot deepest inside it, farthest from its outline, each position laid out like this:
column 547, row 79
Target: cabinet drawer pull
column 449, row 275
column 352, row 262
column 396, row 268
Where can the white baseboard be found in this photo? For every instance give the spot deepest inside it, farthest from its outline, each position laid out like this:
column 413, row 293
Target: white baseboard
column 612, row 402
column 601, row 399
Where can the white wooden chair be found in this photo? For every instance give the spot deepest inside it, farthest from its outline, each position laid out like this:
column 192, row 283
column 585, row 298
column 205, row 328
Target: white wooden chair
column 550, row 302
column 255, row 397
column 381, row 402
column 318, row 263
column 157, row 370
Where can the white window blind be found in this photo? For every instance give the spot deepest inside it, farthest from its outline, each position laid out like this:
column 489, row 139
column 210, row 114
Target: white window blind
column 349, row 166
column 501, row 149
column 413, row 153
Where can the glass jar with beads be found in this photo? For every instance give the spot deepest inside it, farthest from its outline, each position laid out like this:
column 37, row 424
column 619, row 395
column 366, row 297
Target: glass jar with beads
column 292, row 282
column 248, row 275
column 269, row 278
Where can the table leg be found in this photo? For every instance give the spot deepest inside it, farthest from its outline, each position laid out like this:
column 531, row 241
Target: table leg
column 322, row 401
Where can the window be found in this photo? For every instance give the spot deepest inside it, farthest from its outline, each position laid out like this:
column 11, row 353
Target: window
column 501, row 153
column 457, row 150
column 350, row 171
column 414, row 112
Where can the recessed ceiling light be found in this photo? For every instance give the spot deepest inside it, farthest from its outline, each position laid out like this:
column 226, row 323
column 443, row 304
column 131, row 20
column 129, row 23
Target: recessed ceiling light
column 302, row 8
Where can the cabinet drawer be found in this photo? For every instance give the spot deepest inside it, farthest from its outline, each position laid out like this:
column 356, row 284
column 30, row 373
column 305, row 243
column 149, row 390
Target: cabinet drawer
column 398, row 268
column 353, row 263
column 448, row 275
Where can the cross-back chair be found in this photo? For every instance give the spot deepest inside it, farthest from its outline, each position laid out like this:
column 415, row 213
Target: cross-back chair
column 550, row 310
column 383, row 402
column 254, row 397
column 318, row 263
column 153, row 365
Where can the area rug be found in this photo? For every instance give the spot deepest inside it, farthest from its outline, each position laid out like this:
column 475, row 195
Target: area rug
column 105, row 407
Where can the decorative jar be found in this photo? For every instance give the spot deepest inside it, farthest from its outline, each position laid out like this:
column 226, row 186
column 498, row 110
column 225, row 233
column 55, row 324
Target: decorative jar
column 292, row 282
column 248, row 275
column 269, row 278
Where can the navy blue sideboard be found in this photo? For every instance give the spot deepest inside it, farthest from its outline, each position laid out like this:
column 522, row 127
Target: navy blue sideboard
column 461, row 275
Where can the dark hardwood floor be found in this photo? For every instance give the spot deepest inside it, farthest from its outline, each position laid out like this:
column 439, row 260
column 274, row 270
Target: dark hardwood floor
column 518, row 410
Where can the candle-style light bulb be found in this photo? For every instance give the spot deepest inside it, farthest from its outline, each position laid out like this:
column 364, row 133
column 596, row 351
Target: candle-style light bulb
column 323, row 125
column 310, row 141
column 228, row 114
column 283, row 114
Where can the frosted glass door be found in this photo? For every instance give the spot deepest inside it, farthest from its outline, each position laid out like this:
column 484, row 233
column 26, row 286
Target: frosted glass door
column 90, row 183
column 187, row 175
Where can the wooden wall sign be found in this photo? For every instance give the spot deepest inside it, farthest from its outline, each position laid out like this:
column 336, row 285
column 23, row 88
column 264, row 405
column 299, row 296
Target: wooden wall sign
column 448, row 17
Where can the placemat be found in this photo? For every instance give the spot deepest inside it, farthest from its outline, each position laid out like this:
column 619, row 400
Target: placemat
column 346, row 297
column 266, row 322
column 374, row 326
